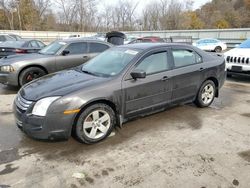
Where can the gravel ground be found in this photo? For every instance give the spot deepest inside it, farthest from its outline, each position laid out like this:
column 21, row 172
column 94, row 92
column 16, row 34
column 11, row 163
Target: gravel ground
column 183, row 147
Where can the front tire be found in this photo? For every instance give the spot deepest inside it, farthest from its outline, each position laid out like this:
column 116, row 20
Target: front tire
column 206, row 94
column 30, row 74
column 95, row 123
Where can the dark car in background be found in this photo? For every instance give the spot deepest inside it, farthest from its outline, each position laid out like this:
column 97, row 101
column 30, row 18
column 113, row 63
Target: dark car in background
column 22, row 46
column 17, row 37
column 150, row 39
column 18, row 70
column 119, row 84
column 6, row 37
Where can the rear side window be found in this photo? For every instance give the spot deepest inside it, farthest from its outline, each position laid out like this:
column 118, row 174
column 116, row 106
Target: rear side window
column 97, row 47
column 154, row 63
column 185, row 57
column 33, row 44
column 40, row 44
column 77, row 48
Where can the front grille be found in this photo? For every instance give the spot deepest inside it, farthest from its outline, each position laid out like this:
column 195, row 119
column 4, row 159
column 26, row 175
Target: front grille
column 238, row 60
column 22, row 103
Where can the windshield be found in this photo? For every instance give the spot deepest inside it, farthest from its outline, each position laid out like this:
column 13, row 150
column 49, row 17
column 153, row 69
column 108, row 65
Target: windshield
column 245, row 44
column 110, row 62
column 52, row 48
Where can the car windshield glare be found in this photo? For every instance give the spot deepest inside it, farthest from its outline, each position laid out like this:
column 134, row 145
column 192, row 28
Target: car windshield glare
column 52, row 48
column 110, row 62
column 245, row 44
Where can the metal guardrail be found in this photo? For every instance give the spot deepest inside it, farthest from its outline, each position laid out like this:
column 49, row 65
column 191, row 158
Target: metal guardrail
column 230, row 36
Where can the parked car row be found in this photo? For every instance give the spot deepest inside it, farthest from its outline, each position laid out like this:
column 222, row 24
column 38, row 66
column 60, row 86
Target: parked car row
column 93, row 86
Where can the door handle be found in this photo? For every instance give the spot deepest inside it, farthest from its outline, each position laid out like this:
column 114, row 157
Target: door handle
column 201, row 69
column 165, row 78
column 85, row 57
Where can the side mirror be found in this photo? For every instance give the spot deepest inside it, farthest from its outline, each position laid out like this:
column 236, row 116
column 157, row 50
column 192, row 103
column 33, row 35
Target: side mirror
column 65, row 52
column 138, row 74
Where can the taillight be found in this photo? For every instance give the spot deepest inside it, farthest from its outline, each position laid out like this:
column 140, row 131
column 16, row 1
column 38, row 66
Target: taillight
column 20, row 51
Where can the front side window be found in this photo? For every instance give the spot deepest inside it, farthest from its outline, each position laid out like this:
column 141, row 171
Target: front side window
column 185, row 57
column 154, row 63
column 77, row 48
column 97, row 47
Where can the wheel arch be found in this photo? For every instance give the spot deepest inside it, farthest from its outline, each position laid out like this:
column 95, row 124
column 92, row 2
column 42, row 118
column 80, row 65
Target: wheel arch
column 98, row 101
column 216, row 83
column 29, row 66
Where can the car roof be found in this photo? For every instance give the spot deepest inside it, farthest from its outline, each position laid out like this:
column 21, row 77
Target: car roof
column 145, row 46
column 84, row 40
column 209, row 39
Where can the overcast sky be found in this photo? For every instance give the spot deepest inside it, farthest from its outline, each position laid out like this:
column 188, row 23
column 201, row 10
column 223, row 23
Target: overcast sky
column 143, row 3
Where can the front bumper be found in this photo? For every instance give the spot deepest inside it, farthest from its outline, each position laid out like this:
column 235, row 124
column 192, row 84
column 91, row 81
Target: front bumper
column 238, row 69
column 8, row 79
column 55, row 126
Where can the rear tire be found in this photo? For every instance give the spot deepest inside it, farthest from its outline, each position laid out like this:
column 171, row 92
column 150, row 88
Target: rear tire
column 206, row 94
column 30, row 74
column 95, row 123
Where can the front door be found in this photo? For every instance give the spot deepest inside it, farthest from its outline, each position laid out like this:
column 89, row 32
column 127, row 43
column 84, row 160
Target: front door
column 78, row 54
column 148, row 94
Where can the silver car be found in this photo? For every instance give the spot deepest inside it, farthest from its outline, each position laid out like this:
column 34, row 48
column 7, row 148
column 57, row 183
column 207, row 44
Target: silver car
column 18, row 70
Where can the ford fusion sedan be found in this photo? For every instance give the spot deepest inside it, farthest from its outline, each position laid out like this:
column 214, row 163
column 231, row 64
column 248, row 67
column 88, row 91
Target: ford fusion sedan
column 238, row 59
column 119, row 84
column 211, row 45
column 18, row 70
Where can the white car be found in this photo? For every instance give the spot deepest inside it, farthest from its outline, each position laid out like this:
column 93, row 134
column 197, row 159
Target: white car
column 238, row 59
column 210, row 45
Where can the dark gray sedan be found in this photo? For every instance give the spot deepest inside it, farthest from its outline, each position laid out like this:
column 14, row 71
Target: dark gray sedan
column 22, row 46
column 18, row 70
column 121, row 83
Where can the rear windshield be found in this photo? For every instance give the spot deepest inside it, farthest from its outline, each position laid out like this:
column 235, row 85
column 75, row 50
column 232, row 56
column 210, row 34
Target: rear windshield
column 245, row 44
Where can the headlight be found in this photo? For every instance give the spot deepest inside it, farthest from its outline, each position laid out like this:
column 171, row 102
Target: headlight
column 6, row 68
column 41, row 106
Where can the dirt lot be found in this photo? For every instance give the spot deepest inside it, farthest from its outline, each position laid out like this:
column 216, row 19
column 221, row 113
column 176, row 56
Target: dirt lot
column 182, row 147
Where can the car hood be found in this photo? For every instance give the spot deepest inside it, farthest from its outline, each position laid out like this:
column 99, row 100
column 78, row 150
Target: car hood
column 241, row 52
column 24, row 57
column 59, row 84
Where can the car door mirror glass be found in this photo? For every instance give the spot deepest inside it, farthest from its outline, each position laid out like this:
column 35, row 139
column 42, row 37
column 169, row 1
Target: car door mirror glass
column 65, row 52
column 138, row 74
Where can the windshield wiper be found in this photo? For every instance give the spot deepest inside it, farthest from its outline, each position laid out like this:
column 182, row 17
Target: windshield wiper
column 88, row 72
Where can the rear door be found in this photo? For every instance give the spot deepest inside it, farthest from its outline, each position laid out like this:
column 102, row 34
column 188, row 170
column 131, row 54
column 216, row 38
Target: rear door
column 75, row 57
column 150, row 93
column 187, row 74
